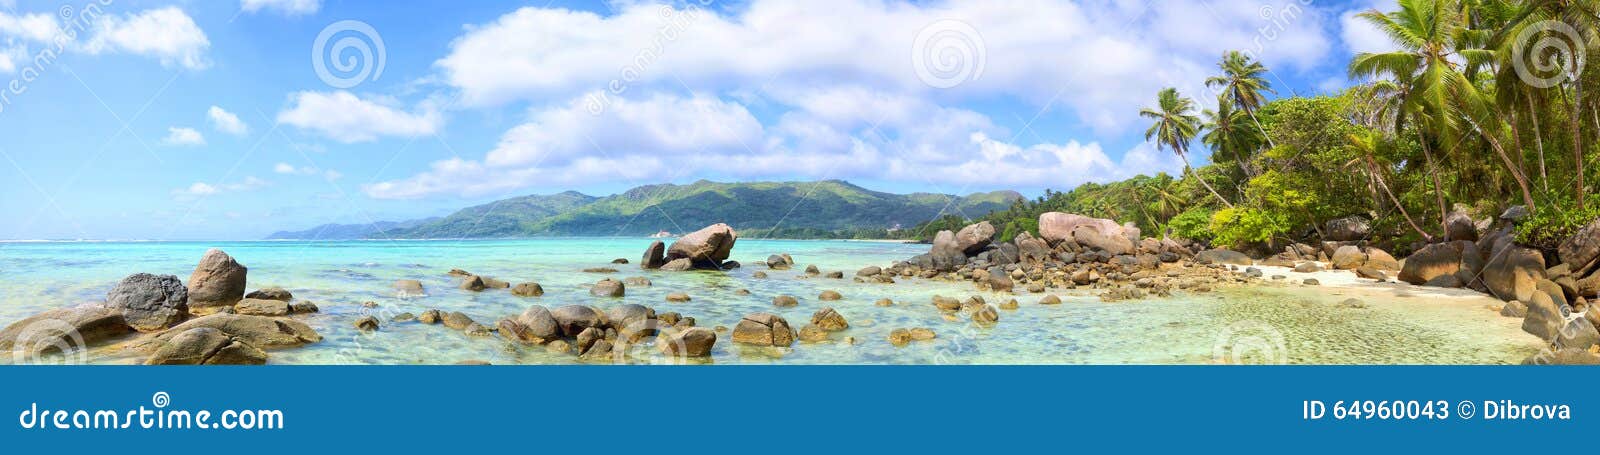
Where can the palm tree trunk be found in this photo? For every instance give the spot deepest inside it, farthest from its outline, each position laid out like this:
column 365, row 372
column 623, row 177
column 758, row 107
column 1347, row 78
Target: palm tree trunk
column 1203, row 182
column 1372, row 169
column 1438, row 186
column 1522, row 180
column 1538, row 138
column 1577, row 139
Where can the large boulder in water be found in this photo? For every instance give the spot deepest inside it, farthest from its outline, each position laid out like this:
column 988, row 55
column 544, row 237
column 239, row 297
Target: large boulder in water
column 946, row 254
column 1350, row 228
column 150, row 303
column 764, row 329
column 259, row 331
column 972, row 239
column 1513, row 272
column 706, row 247
column 1581, row 250
column 694, row 342
column 654, row 256
column 62, row 329
column 574, row 318
column 1086, row 232
column 1115, row 243
column 218, row 281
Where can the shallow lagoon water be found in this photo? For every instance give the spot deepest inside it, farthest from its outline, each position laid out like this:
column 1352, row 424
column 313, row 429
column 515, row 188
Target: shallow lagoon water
column 1272, row 322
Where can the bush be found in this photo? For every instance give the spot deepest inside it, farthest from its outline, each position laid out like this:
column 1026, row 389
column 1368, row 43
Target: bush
column 1242, row 226
column 1548, row 226
column 1192, row 224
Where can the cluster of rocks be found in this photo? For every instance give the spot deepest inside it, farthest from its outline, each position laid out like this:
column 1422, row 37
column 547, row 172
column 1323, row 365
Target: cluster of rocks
column 588, row 332
column 208, row 321
column 1072, row 252
column 705, row 249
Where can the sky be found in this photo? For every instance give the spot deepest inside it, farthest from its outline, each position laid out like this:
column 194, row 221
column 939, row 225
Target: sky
column 223, row 119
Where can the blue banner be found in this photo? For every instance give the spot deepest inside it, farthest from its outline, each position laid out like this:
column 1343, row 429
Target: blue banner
column 794, row 408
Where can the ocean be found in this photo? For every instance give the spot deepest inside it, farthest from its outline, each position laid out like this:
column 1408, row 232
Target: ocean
column 1276, row 322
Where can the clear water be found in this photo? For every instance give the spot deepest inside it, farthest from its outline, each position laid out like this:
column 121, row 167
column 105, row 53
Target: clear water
column 1284, row 323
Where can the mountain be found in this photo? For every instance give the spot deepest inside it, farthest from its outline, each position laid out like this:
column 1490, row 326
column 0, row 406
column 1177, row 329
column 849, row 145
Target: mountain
column 330, row 231
column 769, row 209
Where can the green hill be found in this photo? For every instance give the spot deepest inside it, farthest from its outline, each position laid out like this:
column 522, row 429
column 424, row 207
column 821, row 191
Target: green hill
column 831, row 208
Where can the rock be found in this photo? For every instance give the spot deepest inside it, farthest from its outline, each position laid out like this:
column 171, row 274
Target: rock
column 1513, row 271
column 586, row 338
column 946, row 253
column 813, row 270
column 810, row 333
column 1031, row 250
column 678, row 265
column 694, row 342
column 303, row 307
column 779, row 262
column 1009, row 304
column 1307, row 267
column 456, row 320
column 1514, row 309
column 1543, row 317
column 1566, row 356
column 539, row 324
column 608, row 288
column 677, row 297
column 758, row 275
column 763, row 329
column 574, row 318
column 834, row 274
column 1371, row 273
column 429, row 317
column 1353, row 303
column 559, row 347
column 1444, row 281
column 986, row 314
column 529, row 289
column 1432, row 261
column 973, row 238
column 1057, row 228
column 473, row 283
column 946, row 304
column 1582, row 249
column 1050, row 300
column 404, row 317
column 459, row 273
column 206, row 346
column 259, row 331
column 492, row 283
column 1094, row 238
column 600, row 270
column 69, row 328
column 706, row 247
column 408, row 288
column 829, row 320
column 367, row 323
column 1381, row 260
column 654, row 256
column 260, row 307
column 784, row 301
column 1347, row 229
column 633, row 321
column 150, row 302
column 869, row 271
column 1578, row 334
column 899, row 337
column 1311, row 282
column 883, row 302
column 1222, row 256
column 1348, row 257
column 830, row 295
column 1459, row 226
column 270, row 294
column 922, row 334
column 217, row 281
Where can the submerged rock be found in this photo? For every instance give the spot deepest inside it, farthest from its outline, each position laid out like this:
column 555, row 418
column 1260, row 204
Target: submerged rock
column 829, row 320
column 764, row 329
column 608, row 288
column 63, row 328
column 529, row 289
column 206, row 346
column 409, row 288
column 694, row 342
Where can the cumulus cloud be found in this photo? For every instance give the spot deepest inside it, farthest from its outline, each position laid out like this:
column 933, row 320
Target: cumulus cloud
column 203, row 189
column 289, row 169
column 661, row 137
column 167, row 33
column 344, row 117
column 226, row 122
column 180, row 136
column 18, row 31
column 285, row 7
column 1359, row 35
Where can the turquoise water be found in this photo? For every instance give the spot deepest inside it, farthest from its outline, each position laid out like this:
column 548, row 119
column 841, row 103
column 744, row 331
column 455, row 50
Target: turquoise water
column 1300, row 324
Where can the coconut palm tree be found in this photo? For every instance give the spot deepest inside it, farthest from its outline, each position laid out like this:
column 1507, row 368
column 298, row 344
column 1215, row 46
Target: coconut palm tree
column 1368, row 143
column 1243, row 84
column 1581, row 16
column 1226, row 133
column 1175, row 125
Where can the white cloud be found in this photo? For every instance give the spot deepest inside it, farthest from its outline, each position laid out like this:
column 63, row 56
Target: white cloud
column 343, row 117
column 289, row 169
column 18, row 31
column 1359, row 35
column 285, row 7
column 203, row 189
column 165, row 33
column 226, row 122
column 180, row 136
column 668, row 137
column 1035, row 51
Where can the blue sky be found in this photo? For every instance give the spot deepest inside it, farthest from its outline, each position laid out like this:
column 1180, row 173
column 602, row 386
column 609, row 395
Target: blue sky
column 209, row 119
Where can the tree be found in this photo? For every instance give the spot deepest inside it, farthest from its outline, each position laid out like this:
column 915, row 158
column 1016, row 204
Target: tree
column 1227, row 135
column 1175, row 125
column 1242, row 84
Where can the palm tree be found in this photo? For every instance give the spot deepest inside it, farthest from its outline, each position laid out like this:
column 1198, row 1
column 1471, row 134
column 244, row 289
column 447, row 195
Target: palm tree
column 1242, row 84
column 1175, row 125
column 1433, row 38
column 1227, row 134
column 1583, row 17
column 1368, row 143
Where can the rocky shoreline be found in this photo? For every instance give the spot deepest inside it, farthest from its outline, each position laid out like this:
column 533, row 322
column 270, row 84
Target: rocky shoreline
column 211, row 319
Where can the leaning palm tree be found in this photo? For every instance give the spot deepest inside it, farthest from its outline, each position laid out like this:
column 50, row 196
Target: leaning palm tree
column 1368, row 143
column 1243, row 84
column 1175, row 125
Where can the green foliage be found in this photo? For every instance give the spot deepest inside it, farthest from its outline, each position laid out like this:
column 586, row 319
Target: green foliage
column 1241, row 226
column 1548, row 226
column 1193, row 224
